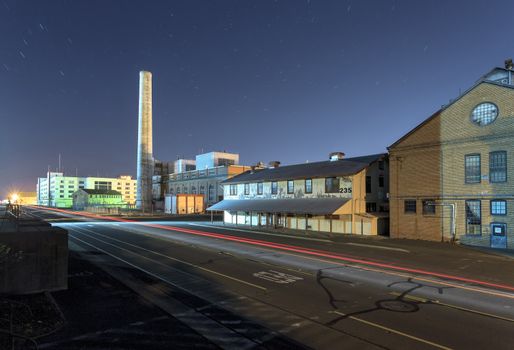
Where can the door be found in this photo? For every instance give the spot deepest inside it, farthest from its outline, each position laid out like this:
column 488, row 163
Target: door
column 498, row 235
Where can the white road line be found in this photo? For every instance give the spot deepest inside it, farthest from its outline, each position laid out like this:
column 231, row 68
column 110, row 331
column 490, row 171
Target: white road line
column 376, row 325
column 263, row 233
column 378, row 247
column 165, row 256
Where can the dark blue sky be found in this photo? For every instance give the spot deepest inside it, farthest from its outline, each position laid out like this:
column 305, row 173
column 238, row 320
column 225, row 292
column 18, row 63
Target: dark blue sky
column 286, row 80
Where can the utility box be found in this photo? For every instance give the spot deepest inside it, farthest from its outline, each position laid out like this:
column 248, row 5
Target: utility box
column 184, row 204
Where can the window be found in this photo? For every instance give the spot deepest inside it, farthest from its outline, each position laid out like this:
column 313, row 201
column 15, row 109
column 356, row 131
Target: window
column 381, row 181
column 259, row 188
column 473, row 217
column 211, row 192
column 193, row 190
column 247, row 189
column 103, row 185
column 368, row 184
column 202, row 189
column 484, row 114
column 331, row 185
column 371, row 207
column 308, row 185
column 233, row 190
column 498, row 207
column 274, row 187
column 472, row 168
column 428, row 207
column 290, row 186
column 410, row 206
column 498, row 166
column 380, row 165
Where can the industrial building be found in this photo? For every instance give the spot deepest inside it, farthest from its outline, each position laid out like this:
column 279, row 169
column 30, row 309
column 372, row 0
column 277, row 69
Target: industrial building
column 451, row 176
column 56, row 189
column 84, row 199
column 206, row 181
column 338, row 195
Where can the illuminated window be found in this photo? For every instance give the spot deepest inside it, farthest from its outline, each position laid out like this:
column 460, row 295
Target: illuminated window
column 498, row 207
column 484, row 114
column 498, row 166
column 472, row 168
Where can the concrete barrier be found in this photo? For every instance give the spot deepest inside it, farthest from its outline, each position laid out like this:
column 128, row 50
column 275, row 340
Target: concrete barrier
column 33, row 257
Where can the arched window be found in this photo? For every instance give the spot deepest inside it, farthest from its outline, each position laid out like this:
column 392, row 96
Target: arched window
column 202, row 189
column 193, row 189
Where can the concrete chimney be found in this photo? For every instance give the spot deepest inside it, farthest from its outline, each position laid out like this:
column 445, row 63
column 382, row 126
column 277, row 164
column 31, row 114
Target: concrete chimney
column 144, row 144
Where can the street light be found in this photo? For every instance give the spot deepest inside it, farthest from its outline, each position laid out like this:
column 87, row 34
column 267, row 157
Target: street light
column 14, row 198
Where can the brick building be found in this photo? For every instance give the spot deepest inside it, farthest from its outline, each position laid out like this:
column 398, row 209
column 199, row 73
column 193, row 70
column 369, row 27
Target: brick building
column 451, row 176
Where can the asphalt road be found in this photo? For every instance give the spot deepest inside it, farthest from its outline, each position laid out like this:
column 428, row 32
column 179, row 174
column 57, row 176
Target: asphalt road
column 242, row 289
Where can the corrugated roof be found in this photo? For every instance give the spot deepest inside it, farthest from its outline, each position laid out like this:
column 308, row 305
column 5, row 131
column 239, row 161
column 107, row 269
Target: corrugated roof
column 343, row 167
column 109, row 192
column 313, row 206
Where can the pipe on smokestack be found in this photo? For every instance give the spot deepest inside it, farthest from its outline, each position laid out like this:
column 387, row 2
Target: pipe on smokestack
column 144, row 144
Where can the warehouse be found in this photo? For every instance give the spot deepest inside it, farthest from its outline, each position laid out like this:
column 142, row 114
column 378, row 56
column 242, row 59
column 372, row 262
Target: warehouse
column 451, row 176
column 338, row 195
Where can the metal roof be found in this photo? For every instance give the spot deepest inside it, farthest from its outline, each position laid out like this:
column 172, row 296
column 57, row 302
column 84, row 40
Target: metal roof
column 343, row 167
column 313, row 206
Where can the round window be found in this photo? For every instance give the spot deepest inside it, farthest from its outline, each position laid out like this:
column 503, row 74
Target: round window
column 484, row 114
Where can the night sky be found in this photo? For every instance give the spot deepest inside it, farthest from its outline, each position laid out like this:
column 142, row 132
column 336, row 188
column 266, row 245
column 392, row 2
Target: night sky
column 271, row 80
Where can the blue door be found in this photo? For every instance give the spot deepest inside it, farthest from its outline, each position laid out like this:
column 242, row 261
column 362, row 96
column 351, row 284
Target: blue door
column 498, row 235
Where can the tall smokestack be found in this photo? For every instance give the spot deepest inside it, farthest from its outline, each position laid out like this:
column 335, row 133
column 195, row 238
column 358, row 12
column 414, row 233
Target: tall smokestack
column 144, row 144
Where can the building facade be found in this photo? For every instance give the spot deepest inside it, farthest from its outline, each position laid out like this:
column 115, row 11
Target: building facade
column 452, row 176
column 206, row 182
column 339, row 195
column 87, row 198
column 56, row 189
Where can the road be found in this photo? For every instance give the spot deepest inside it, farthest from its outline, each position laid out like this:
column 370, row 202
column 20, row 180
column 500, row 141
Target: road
column 244, row 289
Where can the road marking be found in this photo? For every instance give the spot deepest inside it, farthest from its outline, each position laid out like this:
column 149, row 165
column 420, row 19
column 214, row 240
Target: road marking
column 262, row 233
column 369, row 323
column 414, row 277
column 277, row 277
column 285, row 248
column 166, row 256
column 378, row 247
column 437, row 302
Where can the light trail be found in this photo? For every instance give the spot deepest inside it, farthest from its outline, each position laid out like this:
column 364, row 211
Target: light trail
column 308, row 251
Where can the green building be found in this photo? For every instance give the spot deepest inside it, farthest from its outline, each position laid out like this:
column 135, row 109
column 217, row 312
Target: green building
column 87, row 198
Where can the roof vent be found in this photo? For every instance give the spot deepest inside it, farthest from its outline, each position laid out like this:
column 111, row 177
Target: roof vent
column 508, row 64
column 336, row 156
column 274, row 164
